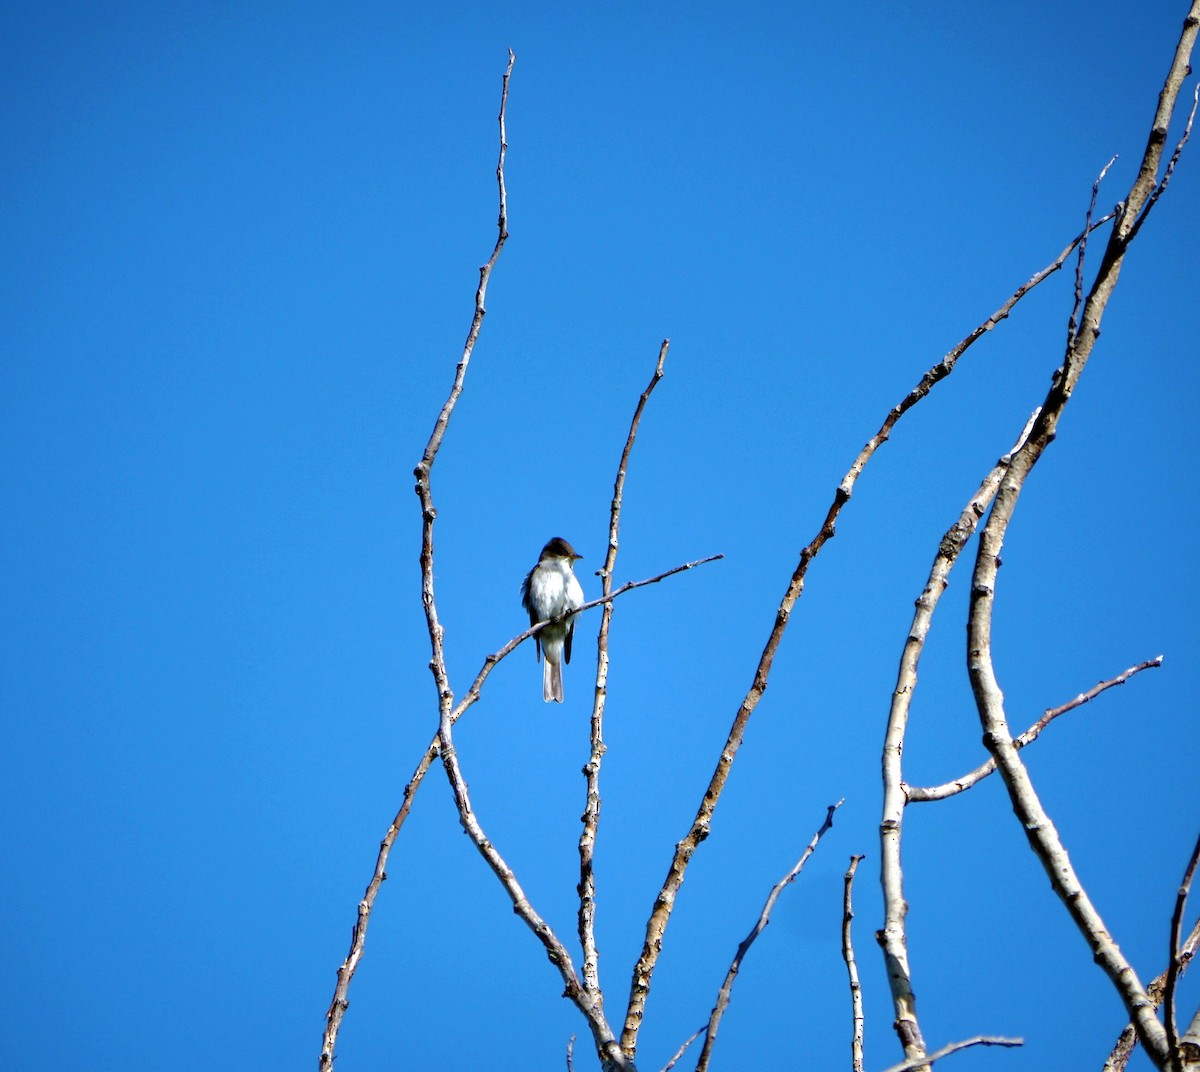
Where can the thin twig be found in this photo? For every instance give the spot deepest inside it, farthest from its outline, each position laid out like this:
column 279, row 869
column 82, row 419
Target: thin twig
column 341, row 1001
column 490, row 662
column 1173, row 965
column 591, row 771
column 954, row 1047
column 1072, row 323
column 764, row 917
column 856, row 1001
column 922, row 794
column 571, row 1054
column 683, row 1049
column 1123, row 1047
column 1039, row 829
column 700, row 828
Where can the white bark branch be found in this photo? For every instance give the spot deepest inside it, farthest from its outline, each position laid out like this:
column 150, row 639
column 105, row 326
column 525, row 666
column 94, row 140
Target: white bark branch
column 1043, row 837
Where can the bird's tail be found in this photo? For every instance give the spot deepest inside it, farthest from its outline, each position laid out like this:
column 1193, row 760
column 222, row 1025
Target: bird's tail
column 552, row 681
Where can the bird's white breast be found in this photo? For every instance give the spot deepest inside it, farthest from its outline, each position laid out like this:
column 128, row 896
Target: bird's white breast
column 553, row 589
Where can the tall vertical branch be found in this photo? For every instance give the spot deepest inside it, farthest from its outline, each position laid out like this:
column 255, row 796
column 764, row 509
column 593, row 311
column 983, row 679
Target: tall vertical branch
column 1039, row 829
column 358, row 937
column 424, row 467
column 856, row 1001
column 591, row 812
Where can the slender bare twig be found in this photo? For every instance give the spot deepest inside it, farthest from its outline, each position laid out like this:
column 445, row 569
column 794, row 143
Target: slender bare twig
column 1072, row 322
column 856, row 1001
column 683, row 1049
column 1173, row 965
column 922, row 794
column 700, row 828
column 954, row 1047
column 1038, row 827
column 892, row 937
column 337, row 1008
column 1123, row 1047
column 571, row 1054
column 591, row 771
column 764, row 917
column 472, row 694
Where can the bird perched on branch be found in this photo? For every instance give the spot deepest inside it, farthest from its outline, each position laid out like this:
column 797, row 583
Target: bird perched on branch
column 549, row 591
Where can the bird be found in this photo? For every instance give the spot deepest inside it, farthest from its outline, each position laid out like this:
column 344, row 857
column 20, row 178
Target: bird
column 549, row 590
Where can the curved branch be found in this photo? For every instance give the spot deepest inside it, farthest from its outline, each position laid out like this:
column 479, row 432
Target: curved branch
column 954, row 1047
column 1039, row 829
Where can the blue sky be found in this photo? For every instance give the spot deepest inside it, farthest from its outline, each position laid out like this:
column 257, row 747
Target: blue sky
column 241, row 243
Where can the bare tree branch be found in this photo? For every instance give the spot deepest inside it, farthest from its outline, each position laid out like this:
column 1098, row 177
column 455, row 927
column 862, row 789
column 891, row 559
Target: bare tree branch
column 472, row 694
column 1173, row 965
column 1183, row 140
column 954, row 1047
column 337, row 1008
column 700, row 828
column 571, row 1054
column 856, row 1002
column 923, row 794
column 1039, row 829
column 591, row 771
column 1128, row 1038
column 764, row 917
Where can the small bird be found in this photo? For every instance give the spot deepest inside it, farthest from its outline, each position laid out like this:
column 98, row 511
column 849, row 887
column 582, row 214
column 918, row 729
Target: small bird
column 549, row 590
